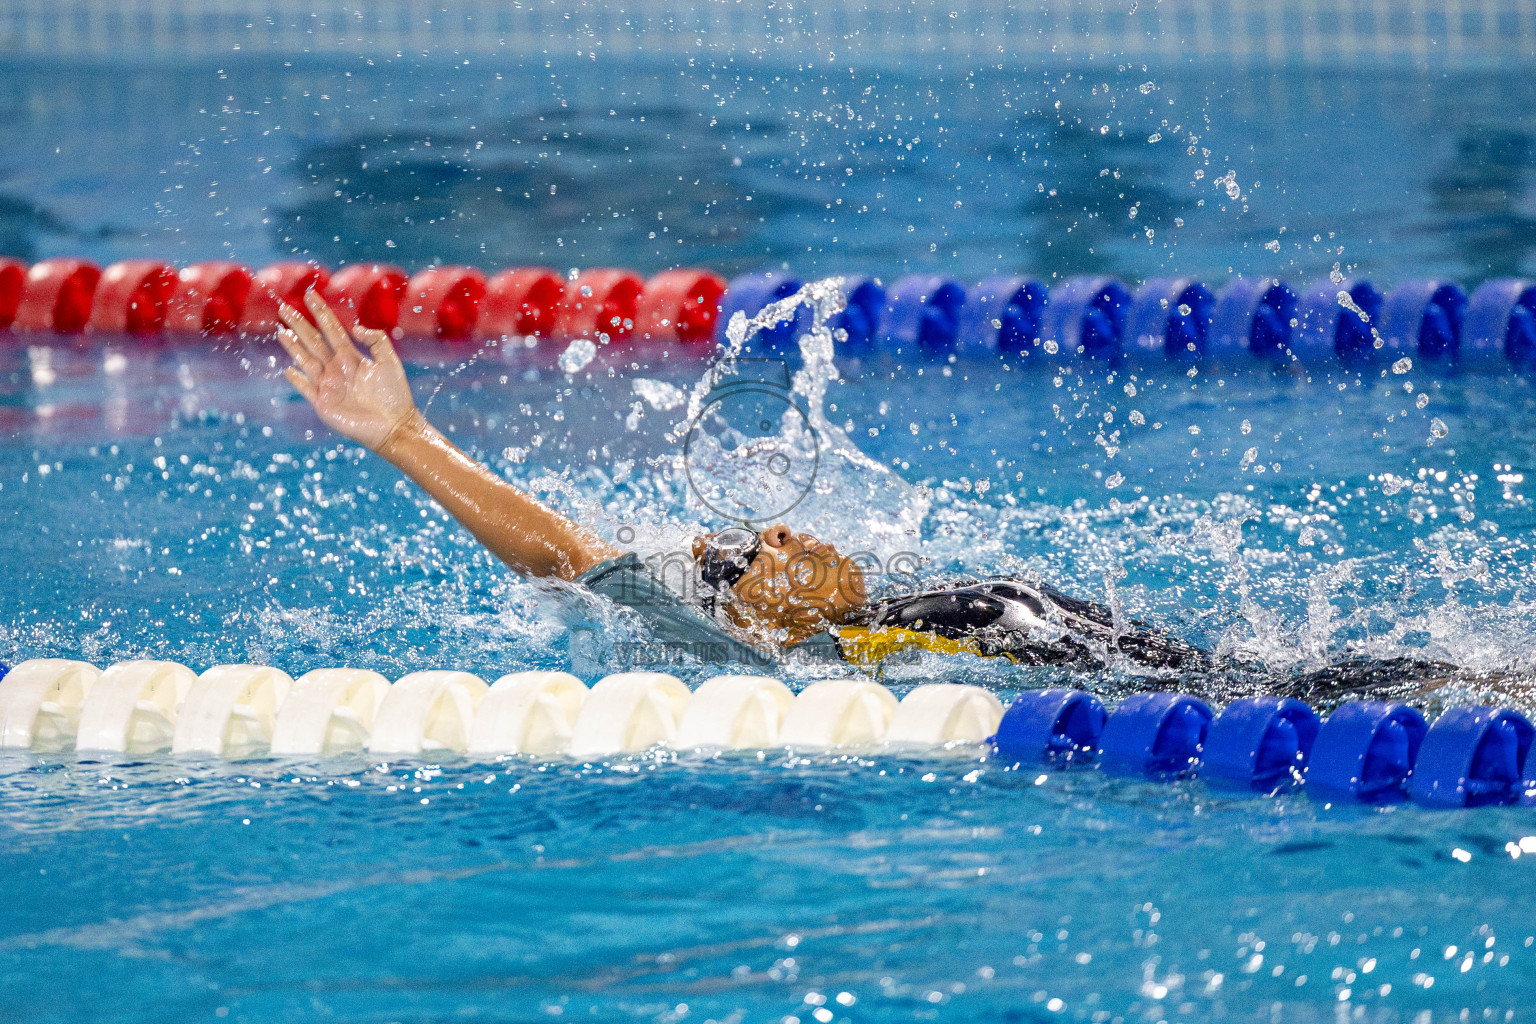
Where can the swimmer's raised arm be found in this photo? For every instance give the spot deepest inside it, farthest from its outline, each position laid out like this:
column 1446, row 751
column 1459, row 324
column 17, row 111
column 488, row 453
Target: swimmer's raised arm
column 367, row 398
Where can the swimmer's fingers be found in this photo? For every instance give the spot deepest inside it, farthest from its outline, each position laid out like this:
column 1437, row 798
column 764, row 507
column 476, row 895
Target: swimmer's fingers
column 331, row 327
column 303, row 332
column 302, row 358
column 301, row 384
column 379, row 345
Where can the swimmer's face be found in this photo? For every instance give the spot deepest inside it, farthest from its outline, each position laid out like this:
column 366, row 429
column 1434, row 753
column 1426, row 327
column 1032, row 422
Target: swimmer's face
column 795, row 584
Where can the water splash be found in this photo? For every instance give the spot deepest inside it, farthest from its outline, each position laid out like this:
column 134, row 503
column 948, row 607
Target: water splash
column 1323, row 621
column 658, row 394
column 852, row 500
column 577, row 355
column 1267, row 643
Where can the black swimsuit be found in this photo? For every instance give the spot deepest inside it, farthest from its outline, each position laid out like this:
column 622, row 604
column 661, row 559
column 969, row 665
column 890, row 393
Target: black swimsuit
column 1025, row 623
column 1030, row 624
column 1035, row 624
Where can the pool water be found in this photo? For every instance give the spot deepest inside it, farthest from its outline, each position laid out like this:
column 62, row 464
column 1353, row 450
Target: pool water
column 651, row 162
column 178, row 501
column 181, row 504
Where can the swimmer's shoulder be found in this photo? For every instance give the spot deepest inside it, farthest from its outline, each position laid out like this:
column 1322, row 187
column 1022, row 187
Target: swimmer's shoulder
column 610, row 571
column 679, row 626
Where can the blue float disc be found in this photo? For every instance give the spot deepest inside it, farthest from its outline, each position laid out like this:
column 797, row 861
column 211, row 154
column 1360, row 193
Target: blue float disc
column 1056, row 726
column 1087, row 317
column 1500, row 326
column 1171, row 316
column 1329, row 332
column 1004, row 315
column 1472, row 757
column 1253, row 316
column 1260, row 742
column 1158, row 734
column 1366, row 751
column 860, row 319
column 1423, row 320
column 922, row 312
column 749, row 294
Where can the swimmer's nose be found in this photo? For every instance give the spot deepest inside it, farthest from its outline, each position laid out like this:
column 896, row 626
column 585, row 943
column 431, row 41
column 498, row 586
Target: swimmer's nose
column 776, row 536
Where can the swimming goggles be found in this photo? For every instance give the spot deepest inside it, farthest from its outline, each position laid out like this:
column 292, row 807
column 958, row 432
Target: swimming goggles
column 727, row 556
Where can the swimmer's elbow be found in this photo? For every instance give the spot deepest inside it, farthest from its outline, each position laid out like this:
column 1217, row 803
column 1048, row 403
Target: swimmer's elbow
column 559, row 562
column 587, row 558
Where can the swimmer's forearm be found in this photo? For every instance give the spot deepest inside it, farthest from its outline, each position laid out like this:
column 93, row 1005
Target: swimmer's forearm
column 526, row 534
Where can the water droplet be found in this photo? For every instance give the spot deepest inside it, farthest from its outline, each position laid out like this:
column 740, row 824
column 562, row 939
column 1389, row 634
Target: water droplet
column 659, row 395
column 1423, row 400
column 577, row 355
column 1403, row 365
column 1146, row 87
column 1184, row 309
column 1437, row 427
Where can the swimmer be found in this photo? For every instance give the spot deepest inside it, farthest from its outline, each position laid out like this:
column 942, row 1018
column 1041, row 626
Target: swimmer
column 776, row 588
column 759, row 593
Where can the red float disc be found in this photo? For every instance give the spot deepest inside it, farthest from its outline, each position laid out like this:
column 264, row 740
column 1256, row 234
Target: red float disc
column 367, row 295
column 57, row 296
column 522, row 302
column 210, row 298
column 131, row 297
column 600, row 302
column 13, row 278
column 680, row 305
column 442, row 302
column 281, row 282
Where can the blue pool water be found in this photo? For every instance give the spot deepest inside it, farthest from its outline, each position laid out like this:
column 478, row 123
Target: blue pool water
column 733, row 164
column 179, row 502
column 662, row 888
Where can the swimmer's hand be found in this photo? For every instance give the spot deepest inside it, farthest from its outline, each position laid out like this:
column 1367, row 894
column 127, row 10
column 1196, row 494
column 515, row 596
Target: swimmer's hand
column 364, row 397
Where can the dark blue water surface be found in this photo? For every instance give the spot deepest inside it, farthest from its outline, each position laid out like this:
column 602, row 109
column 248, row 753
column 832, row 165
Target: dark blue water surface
column 177, row 501
column 651, row 163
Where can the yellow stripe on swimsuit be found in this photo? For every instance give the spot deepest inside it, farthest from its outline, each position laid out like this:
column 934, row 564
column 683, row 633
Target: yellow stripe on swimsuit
column 864, row 646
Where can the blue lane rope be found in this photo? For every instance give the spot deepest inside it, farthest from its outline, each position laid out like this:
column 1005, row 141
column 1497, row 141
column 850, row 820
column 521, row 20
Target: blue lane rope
column 1369, row 752
column 1350, row 324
